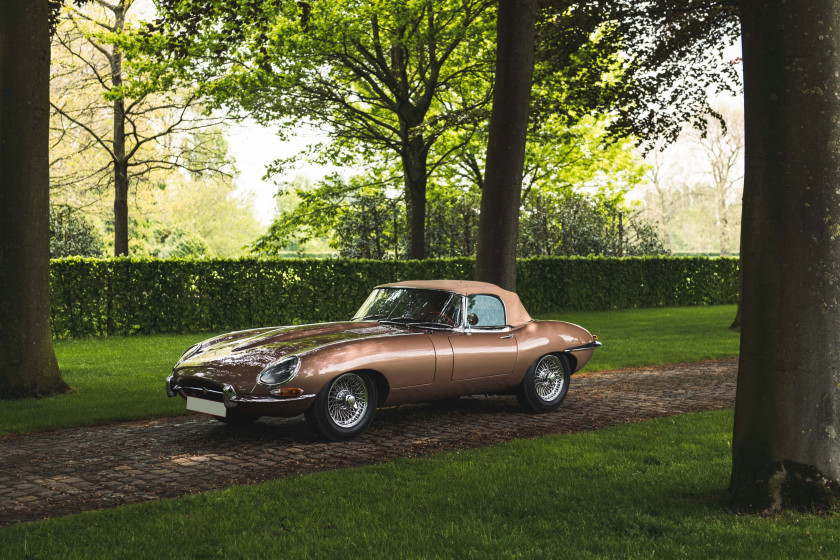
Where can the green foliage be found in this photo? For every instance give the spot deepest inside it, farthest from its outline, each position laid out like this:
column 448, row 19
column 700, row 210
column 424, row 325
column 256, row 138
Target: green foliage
column 72, row 235
column 128, row 296
column 102, row 122
column 403, row 87
column 572, row 224
column 452, row 221
column 211, row 212
column 150, row 237
column 584, row 283
column 181, row 245
column 358, row 217
column 573, row 193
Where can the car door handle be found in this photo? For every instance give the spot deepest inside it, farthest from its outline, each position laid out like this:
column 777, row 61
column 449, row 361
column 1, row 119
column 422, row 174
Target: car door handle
column 507, row 336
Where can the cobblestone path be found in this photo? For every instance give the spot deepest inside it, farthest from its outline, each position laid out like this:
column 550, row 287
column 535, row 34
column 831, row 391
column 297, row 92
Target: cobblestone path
column 65, row 471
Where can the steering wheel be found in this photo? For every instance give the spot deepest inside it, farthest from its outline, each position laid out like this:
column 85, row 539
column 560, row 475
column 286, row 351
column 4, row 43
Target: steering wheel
column 438, row 315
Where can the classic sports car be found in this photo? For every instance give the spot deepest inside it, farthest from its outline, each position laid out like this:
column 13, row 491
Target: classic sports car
column 409, row 342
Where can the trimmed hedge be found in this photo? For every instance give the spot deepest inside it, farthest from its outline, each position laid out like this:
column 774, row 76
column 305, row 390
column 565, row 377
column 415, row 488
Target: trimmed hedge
column 95, row 297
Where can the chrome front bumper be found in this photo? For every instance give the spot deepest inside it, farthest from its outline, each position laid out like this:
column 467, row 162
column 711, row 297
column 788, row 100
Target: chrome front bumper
column 265, row 404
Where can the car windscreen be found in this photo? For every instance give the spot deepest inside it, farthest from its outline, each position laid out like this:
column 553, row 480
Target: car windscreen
column 412, row 306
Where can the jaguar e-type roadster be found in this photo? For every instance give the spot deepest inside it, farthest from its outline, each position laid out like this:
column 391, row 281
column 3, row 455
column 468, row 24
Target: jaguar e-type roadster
column 409, row 342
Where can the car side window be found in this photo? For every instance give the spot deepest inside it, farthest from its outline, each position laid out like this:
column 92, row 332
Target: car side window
column 489, row 310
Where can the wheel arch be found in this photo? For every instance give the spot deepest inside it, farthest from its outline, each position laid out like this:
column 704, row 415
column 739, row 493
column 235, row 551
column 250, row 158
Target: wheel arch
column 570, row 358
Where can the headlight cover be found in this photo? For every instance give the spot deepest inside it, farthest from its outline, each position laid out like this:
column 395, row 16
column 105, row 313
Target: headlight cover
column 191, row 351
column 280, row 372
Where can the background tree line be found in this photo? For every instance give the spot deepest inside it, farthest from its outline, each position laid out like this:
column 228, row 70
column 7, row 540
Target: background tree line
column 134, row 167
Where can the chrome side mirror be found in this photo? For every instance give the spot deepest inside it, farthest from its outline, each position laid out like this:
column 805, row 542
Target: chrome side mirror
column 472, row 319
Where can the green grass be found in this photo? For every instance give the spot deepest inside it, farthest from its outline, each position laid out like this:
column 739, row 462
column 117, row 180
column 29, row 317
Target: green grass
column 116, row 378
column 121, row 378
column 670, row 335
column 654, row 489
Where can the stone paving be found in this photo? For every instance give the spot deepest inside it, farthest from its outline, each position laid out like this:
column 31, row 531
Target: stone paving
column 66, row 471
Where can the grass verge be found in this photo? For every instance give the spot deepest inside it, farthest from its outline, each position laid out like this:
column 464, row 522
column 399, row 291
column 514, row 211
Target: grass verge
column 112, row 379
column 654, row 489
column 121, row 378
column 668, row 335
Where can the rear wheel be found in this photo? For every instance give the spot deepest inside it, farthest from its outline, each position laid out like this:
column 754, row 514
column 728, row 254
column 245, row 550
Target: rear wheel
column 344, row 407
column 545, row 385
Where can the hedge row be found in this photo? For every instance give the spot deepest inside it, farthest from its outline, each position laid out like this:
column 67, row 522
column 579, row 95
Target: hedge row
column 142, row 296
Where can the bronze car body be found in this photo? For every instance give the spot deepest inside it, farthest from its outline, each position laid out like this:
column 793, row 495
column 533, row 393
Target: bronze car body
column 481, row 340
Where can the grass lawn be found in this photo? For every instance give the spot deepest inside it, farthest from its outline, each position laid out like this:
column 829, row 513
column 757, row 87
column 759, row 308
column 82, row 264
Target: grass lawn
column 669, row 335
column 116, row 378
column 654, row 489
column 121, row 378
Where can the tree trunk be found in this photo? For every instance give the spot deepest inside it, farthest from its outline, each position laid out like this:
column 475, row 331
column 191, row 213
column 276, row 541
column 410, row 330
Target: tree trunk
column 787, row 412
column 736, row 322
column 27, row 360
column 120, row 161
column 120, row 205
column 498, row 223
column 414, row 165
column 723, row 223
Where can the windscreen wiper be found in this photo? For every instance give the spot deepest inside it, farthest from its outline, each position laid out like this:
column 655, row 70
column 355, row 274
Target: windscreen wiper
column 397, row 320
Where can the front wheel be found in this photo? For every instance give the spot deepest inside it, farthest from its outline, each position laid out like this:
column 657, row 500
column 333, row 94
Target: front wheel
column 344, row 407
column 545, row 385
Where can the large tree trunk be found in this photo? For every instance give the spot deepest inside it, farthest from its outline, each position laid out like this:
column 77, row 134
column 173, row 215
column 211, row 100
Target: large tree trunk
column 498, row 223
column 414, row 162
column 27, row 360
column 786, row 451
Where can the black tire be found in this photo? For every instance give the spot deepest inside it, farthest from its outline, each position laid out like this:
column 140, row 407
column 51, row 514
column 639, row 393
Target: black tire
column 333, row 416
column 539, row 392
column 236, row 418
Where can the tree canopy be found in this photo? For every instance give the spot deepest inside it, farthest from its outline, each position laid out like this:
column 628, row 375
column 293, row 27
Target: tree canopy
column 107, row 133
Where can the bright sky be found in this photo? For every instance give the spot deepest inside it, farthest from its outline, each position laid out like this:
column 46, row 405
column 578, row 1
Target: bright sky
column 255, row 147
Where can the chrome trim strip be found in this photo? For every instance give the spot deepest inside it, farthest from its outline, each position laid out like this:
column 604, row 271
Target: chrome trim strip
column 202, row 390
column 266, row 399
column 588, row 346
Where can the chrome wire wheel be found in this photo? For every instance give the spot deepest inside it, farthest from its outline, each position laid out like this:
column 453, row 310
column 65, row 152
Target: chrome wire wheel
column 347, row 400
column 549, row 380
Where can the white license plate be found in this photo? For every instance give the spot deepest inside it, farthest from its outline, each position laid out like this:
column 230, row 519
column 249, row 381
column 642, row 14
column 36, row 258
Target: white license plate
column 207, row 407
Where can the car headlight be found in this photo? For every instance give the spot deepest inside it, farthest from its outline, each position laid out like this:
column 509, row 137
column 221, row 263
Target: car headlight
column 191, row 351
column 280, row 372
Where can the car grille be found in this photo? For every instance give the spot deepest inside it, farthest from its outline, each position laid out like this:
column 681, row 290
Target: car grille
column 202, row 389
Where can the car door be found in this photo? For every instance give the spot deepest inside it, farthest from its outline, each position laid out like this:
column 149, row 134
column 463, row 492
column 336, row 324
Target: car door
column 486, row 348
